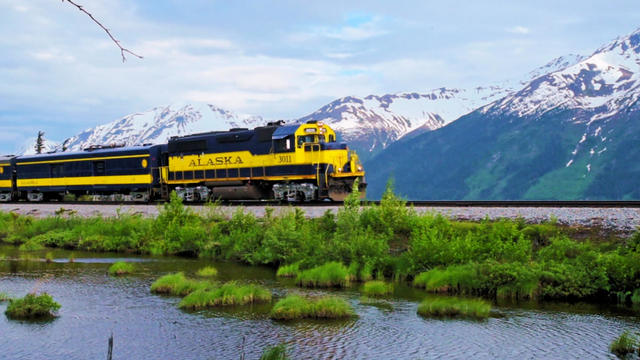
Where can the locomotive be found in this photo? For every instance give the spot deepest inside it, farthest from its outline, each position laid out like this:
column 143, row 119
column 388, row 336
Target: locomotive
column 298, row 162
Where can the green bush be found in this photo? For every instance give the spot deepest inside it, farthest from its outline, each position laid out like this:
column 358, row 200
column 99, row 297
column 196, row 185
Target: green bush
column 120, row 268
column 226, row 295
column 377, row 288
column 454, row 307
column 332, row 274
column 32, row 306
column 296, row 307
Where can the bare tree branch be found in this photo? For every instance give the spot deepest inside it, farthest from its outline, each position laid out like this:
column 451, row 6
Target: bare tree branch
column 122, row 49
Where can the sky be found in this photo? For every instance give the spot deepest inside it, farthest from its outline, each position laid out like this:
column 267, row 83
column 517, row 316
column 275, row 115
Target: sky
column 60, row 73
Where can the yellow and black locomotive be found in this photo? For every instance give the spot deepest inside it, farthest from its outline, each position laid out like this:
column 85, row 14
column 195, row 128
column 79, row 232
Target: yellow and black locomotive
column 301, row 162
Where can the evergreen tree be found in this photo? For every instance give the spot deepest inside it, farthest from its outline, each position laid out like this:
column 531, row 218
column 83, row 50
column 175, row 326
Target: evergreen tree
column 40, row 142
column 64, row 144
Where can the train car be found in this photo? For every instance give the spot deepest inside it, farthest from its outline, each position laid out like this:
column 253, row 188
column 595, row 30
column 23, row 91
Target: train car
column 7, row 189
column 99, row 170
column 300, row 162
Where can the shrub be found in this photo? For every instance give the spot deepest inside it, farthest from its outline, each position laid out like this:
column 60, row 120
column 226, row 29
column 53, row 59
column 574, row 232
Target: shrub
column 278, row 352
column 177, row 284
column 226, row 295
column 331, row 274
column 207, row 271
column 454, row 307
column 377, row 288
column 289, row 270
column 31, row 245
column 32, row 306
column 624, row 344
column 297, row 307
column 120, row 268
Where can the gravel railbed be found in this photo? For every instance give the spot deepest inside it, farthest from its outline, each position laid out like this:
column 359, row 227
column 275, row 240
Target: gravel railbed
column 620, row 220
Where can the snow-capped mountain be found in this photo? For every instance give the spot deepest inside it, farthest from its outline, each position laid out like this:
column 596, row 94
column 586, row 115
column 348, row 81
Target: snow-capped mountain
column 373, row 122
column 29, row 146
column 569, row 134
column 159, row 124
column 601, row 80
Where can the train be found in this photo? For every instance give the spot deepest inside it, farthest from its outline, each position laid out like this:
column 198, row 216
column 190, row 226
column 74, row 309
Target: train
column 282, row 162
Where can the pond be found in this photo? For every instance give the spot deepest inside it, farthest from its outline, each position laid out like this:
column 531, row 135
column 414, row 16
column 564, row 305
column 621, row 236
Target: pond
column 147, row 326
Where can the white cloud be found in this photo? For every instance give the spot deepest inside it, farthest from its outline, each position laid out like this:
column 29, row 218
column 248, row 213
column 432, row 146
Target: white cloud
column 364, row 30
column 519, row 30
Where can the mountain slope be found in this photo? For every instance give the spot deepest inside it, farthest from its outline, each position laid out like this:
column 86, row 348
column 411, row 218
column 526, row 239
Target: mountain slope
column 159, row 124
column 570, row 134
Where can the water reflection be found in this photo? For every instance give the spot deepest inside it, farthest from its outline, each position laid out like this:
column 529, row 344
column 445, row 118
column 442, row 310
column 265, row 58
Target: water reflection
column 147, row 326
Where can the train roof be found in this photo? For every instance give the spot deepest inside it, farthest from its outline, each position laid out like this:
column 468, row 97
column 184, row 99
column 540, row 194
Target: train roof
column 284, row 131
column 91, row 152
column 6, row 159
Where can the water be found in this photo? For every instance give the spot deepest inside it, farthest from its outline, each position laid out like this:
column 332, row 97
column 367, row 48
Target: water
column 148, row 326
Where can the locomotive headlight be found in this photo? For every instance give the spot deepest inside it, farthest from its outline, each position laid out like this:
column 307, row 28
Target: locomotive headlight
column 339, row 169
column 359, row 167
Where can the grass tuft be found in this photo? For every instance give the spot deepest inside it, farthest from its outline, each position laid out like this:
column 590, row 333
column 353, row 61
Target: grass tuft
column 177, row 284
column 454, row 307
column 120, row 268
column 624, row 344
column 376, row 288
column 4, row 297
column 289, row 270
column 32, row 306
column 207, row 271
column 297, row 307
column 226, row 295
column 331, row 274
column 278, row 352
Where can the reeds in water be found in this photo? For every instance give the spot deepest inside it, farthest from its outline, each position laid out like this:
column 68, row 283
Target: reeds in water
column 454, row 307
column 624, row 344
column 207, row 271
column 32, row 306
column 226, row 295
column 298, row 307
column 177, row 284
column 377, row 288
column 289, row 270
column 120, row 268
column 331, row 274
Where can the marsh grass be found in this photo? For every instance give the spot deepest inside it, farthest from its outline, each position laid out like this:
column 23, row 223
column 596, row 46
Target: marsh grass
column 289, row 270
column 4, row 297
column 494, row 259
column 229, row 294
column 278, row 352
column 32, row 306
column 377, row 288
column 331, row 274
column 120, row 268
column 454, row 307
column 178, row 285
column 207, row 271
column 298, row 307
column 624, row 344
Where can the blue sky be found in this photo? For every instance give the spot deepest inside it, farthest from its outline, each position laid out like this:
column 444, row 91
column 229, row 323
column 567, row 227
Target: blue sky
column 280, row 59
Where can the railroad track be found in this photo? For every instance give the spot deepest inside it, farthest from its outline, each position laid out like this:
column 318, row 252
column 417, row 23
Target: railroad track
column 415, row 203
